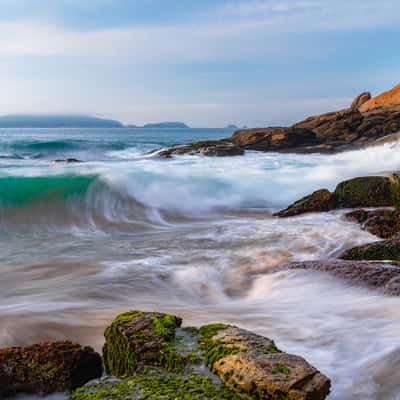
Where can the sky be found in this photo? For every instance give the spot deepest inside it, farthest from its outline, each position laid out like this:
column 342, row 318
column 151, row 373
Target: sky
column 208, row 63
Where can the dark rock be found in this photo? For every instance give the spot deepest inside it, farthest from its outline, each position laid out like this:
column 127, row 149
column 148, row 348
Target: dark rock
column 206, row 148
column 47, row 367
column 377, row 275
column 381, row 250
column 321, row 200
column 384, row 223
column 67, row 160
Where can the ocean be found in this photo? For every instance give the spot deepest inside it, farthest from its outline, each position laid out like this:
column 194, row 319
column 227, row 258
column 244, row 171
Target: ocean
column 193, row 236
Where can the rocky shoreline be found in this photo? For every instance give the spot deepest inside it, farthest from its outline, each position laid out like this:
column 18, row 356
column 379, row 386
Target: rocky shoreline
column 367, row 122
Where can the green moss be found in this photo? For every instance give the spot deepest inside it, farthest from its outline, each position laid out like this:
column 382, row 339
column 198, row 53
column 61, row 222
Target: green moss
column 165, row 326
column 382, row 250
column 281, row 369
column 170, row 387
column 214, row 350
column 271, row 350
column 395, row 189
column 120, row 359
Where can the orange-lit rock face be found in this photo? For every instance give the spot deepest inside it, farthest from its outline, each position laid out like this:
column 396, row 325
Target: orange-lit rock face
column 384, row 100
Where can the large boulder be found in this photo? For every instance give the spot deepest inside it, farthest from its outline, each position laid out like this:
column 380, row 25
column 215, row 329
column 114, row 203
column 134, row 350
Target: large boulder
column 154, row 358
column 375, row 275
column 46, row 368
column 381, row 250
column 368, row 191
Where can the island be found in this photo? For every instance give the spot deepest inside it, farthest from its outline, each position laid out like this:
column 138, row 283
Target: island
column 166, row 125
column 56, row 121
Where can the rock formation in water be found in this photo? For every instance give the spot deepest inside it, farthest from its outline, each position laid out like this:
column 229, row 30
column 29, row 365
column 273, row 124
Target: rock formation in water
column 150, row 356
column 377, row 275
column 369, row 191
column 46, row 368
column 366, row 122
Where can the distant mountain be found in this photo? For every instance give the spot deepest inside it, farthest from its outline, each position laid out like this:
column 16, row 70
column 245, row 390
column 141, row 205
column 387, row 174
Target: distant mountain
column 171, row 125
column 56, row 121
column 231, row 126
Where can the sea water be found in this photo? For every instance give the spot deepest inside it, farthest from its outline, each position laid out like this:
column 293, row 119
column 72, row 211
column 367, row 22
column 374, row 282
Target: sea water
column 193, row 236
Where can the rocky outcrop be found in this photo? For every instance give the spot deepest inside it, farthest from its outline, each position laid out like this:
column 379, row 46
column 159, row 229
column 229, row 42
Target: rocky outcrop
column 369, row 191
column 47, row 368
column 381, row 250
column 377, row 275
column 384, row 223
column 152, row 357
column 364, row 123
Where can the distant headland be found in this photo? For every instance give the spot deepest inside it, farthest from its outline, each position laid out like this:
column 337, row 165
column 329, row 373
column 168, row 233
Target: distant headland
column 166, row 125
column 56, row 121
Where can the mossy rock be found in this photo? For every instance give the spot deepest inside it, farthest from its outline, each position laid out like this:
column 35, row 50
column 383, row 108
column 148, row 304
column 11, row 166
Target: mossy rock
column 381, row 250
column 139, row 338
column 155, row 385
column 368, row 191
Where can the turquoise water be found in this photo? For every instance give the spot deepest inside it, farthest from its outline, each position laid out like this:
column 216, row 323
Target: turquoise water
column 191, row 235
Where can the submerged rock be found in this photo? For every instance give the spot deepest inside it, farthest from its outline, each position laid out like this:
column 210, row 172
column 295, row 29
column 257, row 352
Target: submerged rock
column 381, row 250
column 377, row 275
column 46, row 368
column 153, row 358
column 368, row 191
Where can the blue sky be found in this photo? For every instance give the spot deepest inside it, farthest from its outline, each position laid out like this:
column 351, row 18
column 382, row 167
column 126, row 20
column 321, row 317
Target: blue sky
column 208, row 62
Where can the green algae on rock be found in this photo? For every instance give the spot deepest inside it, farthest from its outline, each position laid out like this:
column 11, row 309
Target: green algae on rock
column 155, row 385
column 137, row 337
column 46, row 368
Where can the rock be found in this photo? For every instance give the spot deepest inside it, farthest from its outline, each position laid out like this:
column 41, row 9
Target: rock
column 253, row 366
column 159, row 360
column 376, row 275
column 206, row 148
column 360, row 100
column 45, row 368
column 321, row 200
column 388, row 99
column 155, row 385
column 384, row 223
column 137, row 338
column 368, row 191
column 381, row 250
column 68, row 160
